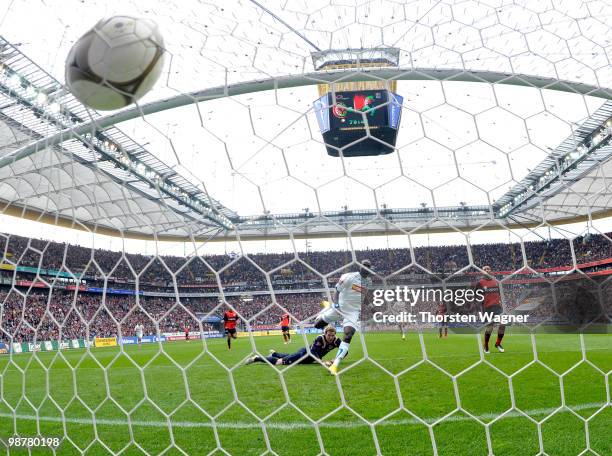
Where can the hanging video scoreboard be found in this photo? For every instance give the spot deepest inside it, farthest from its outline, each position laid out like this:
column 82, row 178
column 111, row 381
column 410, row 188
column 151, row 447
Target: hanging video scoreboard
column 346, row 117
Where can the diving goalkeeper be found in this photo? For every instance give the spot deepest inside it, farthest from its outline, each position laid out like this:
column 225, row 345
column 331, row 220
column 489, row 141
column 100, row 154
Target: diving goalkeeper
column 321, row 346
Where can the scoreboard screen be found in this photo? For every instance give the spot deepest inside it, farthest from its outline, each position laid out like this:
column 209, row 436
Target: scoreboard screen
column 346, row 117
column 353, row 109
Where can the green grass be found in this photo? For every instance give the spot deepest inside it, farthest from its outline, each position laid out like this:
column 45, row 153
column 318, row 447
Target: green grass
column 181, row 395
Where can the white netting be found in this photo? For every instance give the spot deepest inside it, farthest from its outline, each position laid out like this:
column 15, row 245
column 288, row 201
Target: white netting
column 166, row 218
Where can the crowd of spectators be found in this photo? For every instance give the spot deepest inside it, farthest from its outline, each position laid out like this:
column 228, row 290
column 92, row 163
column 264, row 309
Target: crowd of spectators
column 61, row 315
column 285, row 269
column 68, row 314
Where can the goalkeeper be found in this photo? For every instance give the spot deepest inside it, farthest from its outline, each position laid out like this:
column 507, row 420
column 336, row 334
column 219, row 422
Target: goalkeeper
column 321, row 346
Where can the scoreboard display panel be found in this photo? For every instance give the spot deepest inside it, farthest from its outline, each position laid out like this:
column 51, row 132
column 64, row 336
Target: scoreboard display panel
column 346, row 118
column 353, row 109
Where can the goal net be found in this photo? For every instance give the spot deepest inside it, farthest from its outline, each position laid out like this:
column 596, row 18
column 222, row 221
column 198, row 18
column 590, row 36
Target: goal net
column 164, row 268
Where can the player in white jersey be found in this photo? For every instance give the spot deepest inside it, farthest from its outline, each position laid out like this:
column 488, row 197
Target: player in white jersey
column 138, row 329
column 399, row 307
column 351, row 291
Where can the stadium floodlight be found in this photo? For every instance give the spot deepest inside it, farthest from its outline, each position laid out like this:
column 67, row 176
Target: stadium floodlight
column 31, row 92
column 41, row 98
column 14, row 81
column 54, row 108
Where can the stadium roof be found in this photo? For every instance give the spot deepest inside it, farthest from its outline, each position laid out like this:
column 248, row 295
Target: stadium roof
column 501, row 125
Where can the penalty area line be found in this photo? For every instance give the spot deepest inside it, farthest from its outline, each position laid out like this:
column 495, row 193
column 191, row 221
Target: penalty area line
column 294, row 425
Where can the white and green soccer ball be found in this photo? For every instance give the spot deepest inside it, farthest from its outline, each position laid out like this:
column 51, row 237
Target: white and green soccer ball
column 116, row 62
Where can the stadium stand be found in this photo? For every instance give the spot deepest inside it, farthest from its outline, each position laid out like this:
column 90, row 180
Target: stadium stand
column 48, row 314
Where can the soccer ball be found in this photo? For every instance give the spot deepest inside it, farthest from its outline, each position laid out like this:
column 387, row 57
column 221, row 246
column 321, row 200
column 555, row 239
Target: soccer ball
column 115, row 63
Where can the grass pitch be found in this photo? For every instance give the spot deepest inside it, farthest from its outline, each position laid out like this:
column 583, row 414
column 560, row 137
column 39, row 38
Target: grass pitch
column 418, row 396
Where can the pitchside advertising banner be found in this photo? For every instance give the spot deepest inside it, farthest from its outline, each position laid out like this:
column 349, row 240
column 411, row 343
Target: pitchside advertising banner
column 173, row 336
column 277, row 332
column 274, row 332
column 145, row 340
column 43, row 346
column 53, row 345
column 105, row 342
column 193, row 335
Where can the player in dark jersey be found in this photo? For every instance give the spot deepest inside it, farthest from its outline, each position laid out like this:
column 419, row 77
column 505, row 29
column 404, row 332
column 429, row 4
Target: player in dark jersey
column 321, row 346
column 491, row 303
column 230, row 319
column 187, row 333
column 442, row 326
column 284, row 324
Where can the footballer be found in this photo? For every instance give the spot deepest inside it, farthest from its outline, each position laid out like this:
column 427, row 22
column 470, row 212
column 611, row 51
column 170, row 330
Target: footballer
column 443, row 325
column 138, row 330
column 230, row 319
column 321, row 346
column 350, row 292
column 398, row 308
column 491, row 303
column 284, row 324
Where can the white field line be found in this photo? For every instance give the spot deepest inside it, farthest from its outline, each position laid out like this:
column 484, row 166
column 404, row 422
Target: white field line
column 290, row 426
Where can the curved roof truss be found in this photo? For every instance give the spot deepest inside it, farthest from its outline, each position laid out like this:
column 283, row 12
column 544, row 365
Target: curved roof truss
column 94, row 142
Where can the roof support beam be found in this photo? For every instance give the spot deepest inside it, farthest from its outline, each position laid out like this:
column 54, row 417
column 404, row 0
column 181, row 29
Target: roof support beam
column 330, row 77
